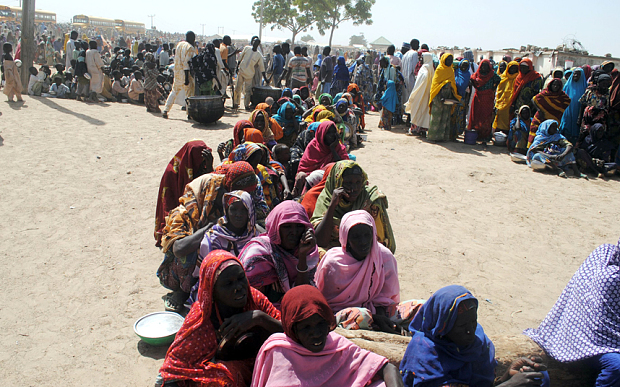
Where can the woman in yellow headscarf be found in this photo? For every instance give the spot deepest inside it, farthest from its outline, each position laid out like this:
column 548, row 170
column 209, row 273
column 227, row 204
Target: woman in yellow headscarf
column 504, row 96
column 443, row 89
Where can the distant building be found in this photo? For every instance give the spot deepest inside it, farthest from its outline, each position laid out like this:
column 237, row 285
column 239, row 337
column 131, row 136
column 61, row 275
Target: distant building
column 380, row 44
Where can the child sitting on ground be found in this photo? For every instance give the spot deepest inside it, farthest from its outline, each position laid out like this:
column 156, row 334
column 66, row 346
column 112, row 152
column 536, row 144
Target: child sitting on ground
column 58, row 89
column 136, row 89
column 32, row 80
column 118, row 90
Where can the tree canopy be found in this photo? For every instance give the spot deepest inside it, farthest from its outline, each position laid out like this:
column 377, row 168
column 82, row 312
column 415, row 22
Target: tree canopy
column 284, row 14
column 358, row 39
column 307, row 38
column 329, row 14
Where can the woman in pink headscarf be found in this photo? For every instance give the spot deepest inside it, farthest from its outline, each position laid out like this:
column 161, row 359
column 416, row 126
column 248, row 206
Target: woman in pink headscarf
column 285, row 256
column 309, row 354
column 325, row 148
column 360, row 279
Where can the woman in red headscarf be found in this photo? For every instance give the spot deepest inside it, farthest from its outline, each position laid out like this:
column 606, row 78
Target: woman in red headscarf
column 192, row 160
column 485, row 80
column 227, row 307
column 527, row 85
column 308, row 353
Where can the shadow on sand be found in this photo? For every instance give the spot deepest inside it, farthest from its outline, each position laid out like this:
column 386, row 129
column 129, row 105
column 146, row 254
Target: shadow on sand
column 50, row 103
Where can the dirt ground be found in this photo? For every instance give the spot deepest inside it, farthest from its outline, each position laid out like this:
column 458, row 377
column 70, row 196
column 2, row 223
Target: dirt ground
column 77, row 256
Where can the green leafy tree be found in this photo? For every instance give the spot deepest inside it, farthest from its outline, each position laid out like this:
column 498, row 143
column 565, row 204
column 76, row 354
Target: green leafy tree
column 307, row 38
column 284, row 15
column 331, row 13
column 358, row 39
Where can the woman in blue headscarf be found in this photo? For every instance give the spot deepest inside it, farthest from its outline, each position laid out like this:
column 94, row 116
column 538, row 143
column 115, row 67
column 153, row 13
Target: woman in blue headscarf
column 341, row 77
column 459, row 114
column 574, row 88
column 551, row 150
column 449, row 347
column 289, row 122
column 389, row 100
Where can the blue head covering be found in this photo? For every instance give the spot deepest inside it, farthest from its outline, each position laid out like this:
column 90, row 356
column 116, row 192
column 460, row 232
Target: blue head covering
column 314, row 126
column 337, row 97
column 574, row 89
column 341, row 72
column 437, row 361
column 288, row 92
column 287, row 128
column 462, row 78
column 319, row 61
column 390, row 97
column 543, row 136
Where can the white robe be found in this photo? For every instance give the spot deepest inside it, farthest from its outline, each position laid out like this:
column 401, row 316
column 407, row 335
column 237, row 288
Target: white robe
column 419, row 98
column 409, row 63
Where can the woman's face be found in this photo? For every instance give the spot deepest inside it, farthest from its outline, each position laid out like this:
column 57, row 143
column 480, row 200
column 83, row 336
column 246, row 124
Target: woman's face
column 513, row 69
column 325, row 101
column 312, row 333
column 558, row 74
column 464, row 66
column 553, row 128
column 259, row 121
column 567, row 75
column 576, row 76
column 288, row 112
column 255, row 159
column 331, row 135
column 359, row 241
column 524, row 68
column 342, row 108
column 604, row 84
column 463, row 333
column 525, row 114
column 231, row 288
column 290, row 235
column 555, row 86
column 484, row 68
column 449, row 60
column 608, row 68
column 502, row 67
column 304, row 93
column 353, row 183
column 237, row 215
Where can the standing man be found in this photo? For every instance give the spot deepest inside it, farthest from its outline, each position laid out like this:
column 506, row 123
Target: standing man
column 70, row 49
column 277, row 65
column 286, row 53
column 183, row 81
column 298, row 70
column 250, row 58
column 164, row 58
column 409, row 63
column 326, row 74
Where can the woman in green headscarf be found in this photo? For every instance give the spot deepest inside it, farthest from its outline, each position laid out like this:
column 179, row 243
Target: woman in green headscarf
column 346, row 189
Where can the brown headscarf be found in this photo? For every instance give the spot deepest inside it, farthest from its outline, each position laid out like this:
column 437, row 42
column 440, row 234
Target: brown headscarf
column 302, row 302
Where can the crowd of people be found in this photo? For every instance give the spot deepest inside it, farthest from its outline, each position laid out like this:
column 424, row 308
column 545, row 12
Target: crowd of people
column 285, row 238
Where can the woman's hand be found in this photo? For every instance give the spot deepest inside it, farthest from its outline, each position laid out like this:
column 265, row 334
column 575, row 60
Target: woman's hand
column 524, row 379
column 337, row 195
column 306, row 244
column 236, row 325
column 533, row 364
column 383, row 324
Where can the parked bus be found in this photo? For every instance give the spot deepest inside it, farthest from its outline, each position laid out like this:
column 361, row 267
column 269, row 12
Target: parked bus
column 84, row 21
column 129, row 27
column 14, row 14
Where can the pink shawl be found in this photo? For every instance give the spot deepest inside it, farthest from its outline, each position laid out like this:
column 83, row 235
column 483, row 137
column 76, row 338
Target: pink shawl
column 265, row 262
column 282, row 362
column 317, row 153
column 346, row 282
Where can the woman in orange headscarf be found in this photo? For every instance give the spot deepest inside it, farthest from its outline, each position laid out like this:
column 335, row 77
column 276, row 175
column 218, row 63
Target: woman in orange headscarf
column 358, row 100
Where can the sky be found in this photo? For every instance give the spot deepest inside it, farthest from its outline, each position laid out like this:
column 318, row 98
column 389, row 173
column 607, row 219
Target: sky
column 481, row 24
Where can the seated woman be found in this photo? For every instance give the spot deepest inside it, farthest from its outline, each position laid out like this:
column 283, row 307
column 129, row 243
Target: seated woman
column 227, row 307
column 194, row 159
column 449, row 348
column 286, row 256
column 200, row 207
column 549, row 105
column 595, row 152
column 347, row 189
column 551, row 150
column 360, row 279
column 519, row 131
column 224, row 148
column 325, row 148
column 583, row 324
column 325, row 100
column 309, row 354
column 270, row 128
column 288, row 122
column 304, row 93
column 310, row 197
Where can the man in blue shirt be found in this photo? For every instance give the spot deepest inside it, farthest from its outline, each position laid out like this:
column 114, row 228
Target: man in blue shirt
column 277, row 66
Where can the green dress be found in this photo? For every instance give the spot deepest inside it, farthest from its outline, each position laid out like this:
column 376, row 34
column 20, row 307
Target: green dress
column 439, row 129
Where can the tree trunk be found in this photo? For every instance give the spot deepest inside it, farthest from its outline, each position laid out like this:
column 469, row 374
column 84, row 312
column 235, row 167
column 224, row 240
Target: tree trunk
column 331, row 35
column 28, row 44
column 295, row 32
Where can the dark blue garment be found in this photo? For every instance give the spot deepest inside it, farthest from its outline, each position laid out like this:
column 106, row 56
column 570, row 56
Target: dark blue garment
column 608, row 366
column 341, row 72
column 278, row 64
column 568, row 126
column 389, row 100
column 462, row 78
column 432, row 360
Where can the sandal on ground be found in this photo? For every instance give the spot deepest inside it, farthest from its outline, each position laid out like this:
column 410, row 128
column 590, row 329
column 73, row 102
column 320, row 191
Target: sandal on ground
column 563, row 174
column 170, row 304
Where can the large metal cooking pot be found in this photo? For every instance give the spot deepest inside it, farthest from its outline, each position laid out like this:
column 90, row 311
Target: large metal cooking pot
column 260, row 93
column 205, row 108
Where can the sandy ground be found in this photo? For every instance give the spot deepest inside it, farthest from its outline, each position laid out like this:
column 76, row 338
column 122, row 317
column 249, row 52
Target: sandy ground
column 77, row 256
